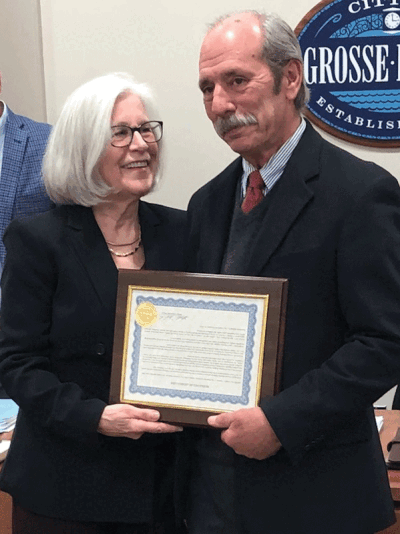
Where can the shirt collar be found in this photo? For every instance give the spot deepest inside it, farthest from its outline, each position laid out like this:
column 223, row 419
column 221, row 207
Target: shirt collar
column 273, row 169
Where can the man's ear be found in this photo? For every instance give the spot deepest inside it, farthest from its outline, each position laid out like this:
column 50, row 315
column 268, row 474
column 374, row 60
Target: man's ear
column 292, row 78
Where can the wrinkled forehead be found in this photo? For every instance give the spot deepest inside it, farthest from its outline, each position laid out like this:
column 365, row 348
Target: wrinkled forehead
column 127, row 107
column 230, row 44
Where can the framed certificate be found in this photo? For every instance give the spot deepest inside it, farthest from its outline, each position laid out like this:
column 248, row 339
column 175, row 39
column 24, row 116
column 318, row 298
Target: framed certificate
column 192, row 345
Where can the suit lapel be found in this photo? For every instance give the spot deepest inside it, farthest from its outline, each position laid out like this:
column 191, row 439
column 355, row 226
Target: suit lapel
column 215, row 222
column 15, row 140
column 288, row 201
column 153, row 248
column 88, row 244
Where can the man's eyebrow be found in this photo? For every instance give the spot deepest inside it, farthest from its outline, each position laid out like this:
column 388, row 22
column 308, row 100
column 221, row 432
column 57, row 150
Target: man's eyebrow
column 225, row 75
column 235, row 72
column 203, row 82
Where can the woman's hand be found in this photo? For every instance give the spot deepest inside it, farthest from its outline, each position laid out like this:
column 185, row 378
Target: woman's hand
column 124, row 420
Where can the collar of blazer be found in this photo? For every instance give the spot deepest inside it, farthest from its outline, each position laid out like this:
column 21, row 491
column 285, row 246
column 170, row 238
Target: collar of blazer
column 291, row 196
column 88, row 244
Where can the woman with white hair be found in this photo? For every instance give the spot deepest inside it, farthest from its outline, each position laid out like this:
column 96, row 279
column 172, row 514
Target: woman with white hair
column 77, row 464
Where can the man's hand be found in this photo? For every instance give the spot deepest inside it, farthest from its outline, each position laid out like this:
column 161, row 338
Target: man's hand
column 248, row 432
column 124, row 420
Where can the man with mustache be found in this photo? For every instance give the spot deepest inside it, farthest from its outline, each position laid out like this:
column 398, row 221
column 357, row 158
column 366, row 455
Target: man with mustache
column 308, row 460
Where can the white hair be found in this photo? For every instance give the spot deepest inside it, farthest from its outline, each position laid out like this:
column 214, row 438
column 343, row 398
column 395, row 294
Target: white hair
column 77, row 141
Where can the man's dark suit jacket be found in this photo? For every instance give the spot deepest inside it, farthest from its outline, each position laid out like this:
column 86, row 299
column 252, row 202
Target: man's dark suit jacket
column 333, row 229
column 57, row 325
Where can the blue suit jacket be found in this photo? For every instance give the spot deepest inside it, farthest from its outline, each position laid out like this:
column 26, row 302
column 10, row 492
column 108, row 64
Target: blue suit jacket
column 22, row 191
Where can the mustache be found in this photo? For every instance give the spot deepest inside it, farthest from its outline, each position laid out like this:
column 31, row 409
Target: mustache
column 224, row 125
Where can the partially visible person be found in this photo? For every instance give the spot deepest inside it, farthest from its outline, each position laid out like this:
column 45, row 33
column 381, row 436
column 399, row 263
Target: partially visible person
column 307, row 460
column 77, row 464
column 22, row 145
column 22, row 192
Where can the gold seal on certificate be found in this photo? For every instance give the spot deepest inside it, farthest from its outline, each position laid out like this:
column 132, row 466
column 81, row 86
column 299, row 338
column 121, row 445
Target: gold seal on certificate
column 146, row 314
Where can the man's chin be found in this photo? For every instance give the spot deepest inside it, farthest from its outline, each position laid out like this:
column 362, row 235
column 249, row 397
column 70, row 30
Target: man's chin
column 242, row 145
column 233, row 134
column 237, row 137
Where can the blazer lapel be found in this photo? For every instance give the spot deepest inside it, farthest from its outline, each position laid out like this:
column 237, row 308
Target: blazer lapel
column 88, row 244
column 289, row 200
column 215, row 222
column 153, row 248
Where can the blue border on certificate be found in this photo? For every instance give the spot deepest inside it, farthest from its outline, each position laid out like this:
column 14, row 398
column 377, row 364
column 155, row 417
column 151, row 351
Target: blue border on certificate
column 251, row 309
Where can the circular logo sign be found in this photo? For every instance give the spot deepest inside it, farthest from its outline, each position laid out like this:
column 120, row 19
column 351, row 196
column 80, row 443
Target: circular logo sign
column 351, row 51
column 146, row 314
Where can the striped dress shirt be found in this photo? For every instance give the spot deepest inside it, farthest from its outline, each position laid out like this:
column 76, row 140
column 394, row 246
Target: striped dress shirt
column 273, row 169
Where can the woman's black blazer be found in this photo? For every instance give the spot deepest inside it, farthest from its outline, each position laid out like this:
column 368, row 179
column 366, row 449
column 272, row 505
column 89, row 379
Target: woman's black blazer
column 57, row 323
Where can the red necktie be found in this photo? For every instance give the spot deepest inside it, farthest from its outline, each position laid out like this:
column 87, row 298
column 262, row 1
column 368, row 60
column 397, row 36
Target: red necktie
column 254, row 192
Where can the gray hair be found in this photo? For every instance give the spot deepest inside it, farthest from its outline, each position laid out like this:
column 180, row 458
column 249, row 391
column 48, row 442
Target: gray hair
column 77, row 141
column 280, row 45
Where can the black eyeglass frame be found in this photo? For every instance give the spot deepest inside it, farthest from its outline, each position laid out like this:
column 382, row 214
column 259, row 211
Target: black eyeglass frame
column 138, row 129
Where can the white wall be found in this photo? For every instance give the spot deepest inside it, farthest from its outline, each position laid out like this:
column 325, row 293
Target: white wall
column 158, row 42
column 21, row 58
